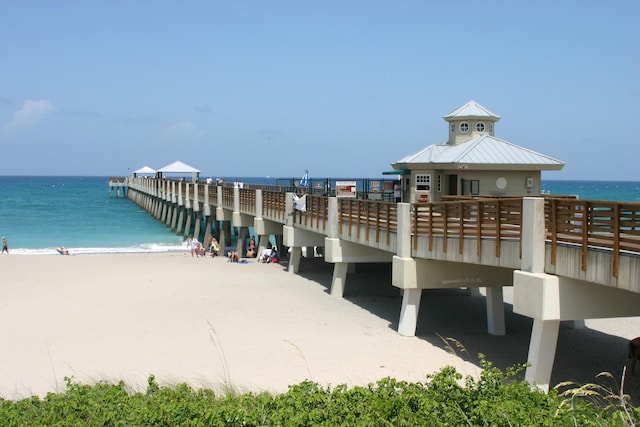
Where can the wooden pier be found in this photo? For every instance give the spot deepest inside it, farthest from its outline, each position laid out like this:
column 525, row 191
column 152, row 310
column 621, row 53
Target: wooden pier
column 566, row 259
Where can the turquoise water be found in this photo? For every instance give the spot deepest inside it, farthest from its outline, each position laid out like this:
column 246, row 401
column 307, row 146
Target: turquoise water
column 38, row 214
column 619, row 191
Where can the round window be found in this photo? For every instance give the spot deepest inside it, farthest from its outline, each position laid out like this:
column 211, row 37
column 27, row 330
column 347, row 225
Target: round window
column 464, row 127
column 501, row 183
column 480, row 127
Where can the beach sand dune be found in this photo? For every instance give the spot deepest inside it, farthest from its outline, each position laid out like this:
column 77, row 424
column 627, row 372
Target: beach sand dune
column 252, row 326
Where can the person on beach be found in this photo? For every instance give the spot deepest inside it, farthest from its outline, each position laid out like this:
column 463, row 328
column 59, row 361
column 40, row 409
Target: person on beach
column 5, row 245
column 199, row 249
column 62, row 251
column 214, row 246
column 234, row 257
column 192, row 243
column 252, row 252
column 274, row 255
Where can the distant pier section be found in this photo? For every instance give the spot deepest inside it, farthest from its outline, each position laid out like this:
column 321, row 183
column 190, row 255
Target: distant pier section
column 116, row 184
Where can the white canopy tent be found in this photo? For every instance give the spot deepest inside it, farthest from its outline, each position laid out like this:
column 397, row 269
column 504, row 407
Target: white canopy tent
column 178, row 167
column 145, row 170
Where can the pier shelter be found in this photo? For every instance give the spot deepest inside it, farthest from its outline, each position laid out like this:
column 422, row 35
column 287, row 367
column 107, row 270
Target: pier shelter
column 144, row 171
column 472, row 162
column 178, row 167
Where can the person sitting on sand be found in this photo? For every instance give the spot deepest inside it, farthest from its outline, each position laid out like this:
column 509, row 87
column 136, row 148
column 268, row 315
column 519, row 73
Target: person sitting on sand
column 265, row 256
column 199, row 250
column 214, row 247
column 273, row 257
column 253, row 250
column 234, row 257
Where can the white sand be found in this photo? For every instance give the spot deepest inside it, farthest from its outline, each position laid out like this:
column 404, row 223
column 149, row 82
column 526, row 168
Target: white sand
column 253, row 326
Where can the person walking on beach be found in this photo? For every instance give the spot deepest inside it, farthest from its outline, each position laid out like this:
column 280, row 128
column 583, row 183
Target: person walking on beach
column 192, row 243
column 5, row 245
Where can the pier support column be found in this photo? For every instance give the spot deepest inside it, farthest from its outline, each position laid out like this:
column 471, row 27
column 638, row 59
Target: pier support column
column 225, row 235
column 294, row 259
column 409, row 312
column 207, row 228
column 169, row 215
column 339, row 279
column 187, row 226
column 495, row 310
column 174, row 218
column 180, row 222
column 196, row 228
column 537, row 294
column 542, row 352
column 263, row 243
column 242, row 241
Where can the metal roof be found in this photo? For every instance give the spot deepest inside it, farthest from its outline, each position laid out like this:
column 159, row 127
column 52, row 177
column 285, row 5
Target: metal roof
column 178, row 167
column 471, row 109
column 483, row 150
column 145, row 170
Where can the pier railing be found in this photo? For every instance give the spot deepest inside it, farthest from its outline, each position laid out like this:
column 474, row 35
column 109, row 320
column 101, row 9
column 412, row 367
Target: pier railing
column 582, row 224
column 593, row 225
column 274, row 205
column 315, row 215
column 493, row 218
column 369, row 217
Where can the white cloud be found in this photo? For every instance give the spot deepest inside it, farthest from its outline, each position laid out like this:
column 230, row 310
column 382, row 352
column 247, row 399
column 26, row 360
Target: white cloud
column 31, row 113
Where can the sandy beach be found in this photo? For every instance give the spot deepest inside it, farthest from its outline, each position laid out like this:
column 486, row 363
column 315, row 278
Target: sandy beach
column 252, row 326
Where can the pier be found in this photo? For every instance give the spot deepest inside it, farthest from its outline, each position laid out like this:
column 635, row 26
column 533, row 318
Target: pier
column 566, row 259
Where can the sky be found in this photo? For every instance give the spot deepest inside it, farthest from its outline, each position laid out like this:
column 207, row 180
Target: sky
column 341, row 88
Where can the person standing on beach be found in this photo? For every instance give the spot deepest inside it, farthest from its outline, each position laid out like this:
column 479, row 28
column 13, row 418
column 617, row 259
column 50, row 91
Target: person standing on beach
column 5, row 245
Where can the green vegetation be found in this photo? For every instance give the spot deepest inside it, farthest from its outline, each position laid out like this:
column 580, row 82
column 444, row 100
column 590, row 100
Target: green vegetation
column 496, row 398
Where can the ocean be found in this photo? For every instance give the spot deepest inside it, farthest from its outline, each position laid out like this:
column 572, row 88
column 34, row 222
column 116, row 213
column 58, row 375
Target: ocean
column 39, row 214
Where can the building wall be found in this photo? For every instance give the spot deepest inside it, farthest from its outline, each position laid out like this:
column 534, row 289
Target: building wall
column 471, row 183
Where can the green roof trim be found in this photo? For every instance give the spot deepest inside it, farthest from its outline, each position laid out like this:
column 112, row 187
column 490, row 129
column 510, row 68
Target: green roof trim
column 397, row 172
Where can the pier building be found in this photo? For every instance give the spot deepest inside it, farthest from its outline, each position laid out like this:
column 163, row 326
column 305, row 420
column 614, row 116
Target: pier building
column 566, row 259
column 472, row 162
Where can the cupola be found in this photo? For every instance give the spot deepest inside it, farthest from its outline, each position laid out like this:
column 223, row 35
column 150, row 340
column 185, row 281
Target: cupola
column 470, row 121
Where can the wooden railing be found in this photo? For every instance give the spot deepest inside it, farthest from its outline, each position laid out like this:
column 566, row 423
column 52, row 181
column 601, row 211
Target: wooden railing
column 227, row 197
column 316, row 213
column 274, row 205
column 479, row 219
column 585, row 224
column 247, row 201
column 374, row 216
column 593, row 224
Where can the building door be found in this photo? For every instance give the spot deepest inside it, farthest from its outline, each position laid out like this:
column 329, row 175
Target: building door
column 453, row 185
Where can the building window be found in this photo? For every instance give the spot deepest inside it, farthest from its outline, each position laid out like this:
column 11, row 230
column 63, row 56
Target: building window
column 470, row 187
column 423, row 182
column 480, row 127
column 453, row 127
column 439, row 183
column 491, row 128
column 464, row 127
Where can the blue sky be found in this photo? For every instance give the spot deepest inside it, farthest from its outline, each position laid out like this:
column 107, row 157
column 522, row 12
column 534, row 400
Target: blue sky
column 341, row 88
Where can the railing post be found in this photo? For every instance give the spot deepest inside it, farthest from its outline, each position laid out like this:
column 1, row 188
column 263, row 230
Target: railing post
column 403, row 233
column 332, row 218
column 533, row 235
column 258, row 203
